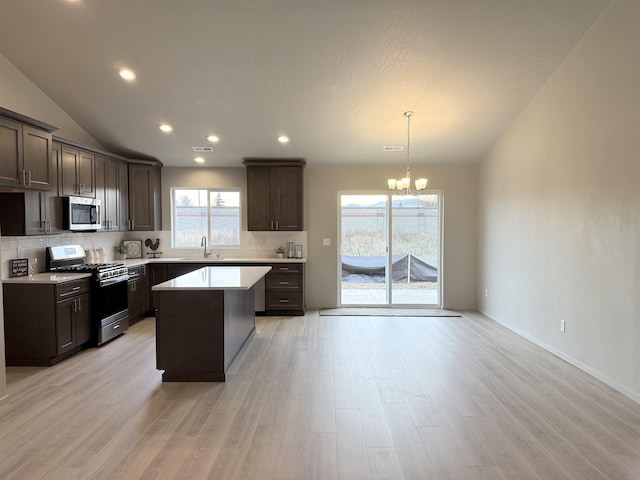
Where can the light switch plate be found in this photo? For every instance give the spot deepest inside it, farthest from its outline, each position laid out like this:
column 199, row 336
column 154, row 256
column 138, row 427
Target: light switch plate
column 326, row 242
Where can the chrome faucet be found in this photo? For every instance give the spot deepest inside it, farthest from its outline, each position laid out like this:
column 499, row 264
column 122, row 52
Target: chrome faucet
column 203, row 243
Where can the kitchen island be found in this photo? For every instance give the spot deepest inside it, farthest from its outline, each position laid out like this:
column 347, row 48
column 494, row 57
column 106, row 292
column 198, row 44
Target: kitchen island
column 203, row 320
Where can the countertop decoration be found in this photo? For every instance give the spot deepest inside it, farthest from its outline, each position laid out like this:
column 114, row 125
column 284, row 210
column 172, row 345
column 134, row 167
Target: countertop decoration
column 153, row 246
column 134, row 248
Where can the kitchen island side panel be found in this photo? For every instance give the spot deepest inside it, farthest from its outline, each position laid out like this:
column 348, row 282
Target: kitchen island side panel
column 239, row 322
column 200, row 332
column 190, row 335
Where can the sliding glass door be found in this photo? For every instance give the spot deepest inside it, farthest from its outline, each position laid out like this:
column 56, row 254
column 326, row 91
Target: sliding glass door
column 390, row 250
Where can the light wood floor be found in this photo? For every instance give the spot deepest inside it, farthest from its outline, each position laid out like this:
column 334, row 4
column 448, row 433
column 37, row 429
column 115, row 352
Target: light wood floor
column 324, row 397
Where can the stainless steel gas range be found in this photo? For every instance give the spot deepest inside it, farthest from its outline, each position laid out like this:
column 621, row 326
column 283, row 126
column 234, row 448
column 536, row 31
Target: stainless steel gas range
column 109, row 305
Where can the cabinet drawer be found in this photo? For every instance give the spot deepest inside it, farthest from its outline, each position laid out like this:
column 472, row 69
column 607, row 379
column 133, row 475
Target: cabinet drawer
column 69, row 289
column 279, row 282
column 284, row 268
column 284, row 301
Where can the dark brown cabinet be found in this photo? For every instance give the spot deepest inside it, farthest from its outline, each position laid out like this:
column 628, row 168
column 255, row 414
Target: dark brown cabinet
column 77, row 173
column 33, row 213
column 284, row 289
column 73, row 323
column 138, row 293
column 284, row 284
column 110, row 184
column 25, row 154
column 274, row 194
column 45, row 331
column 145, row 208
column 156, row 273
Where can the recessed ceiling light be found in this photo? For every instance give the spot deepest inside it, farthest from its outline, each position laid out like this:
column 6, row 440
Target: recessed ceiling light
column 213, row 138
column 198, row 160
column 126, row 74
column 166, row 128
column 283, row 139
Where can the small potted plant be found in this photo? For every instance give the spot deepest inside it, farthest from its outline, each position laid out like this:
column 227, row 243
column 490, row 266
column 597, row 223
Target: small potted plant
column 120, row 251
column 280, row 251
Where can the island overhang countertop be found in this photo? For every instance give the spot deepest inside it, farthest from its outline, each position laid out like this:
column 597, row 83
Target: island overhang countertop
column 215, row 278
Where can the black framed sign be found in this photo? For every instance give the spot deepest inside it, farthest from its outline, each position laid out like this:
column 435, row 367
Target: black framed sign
column 19, row 267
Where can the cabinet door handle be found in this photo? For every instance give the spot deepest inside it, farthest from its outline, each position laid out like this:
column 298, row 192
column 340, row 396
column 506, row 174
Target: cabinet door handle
column 277, row 226
column 24, row 177
column 271, row 224
column 284, row 283
column 116, row 326
column 282, row 300
column 29, row 177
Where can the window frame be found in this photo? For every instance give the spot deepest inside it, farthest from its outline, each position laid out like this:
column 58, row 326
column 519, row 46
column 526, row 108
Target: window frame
column 209, row 191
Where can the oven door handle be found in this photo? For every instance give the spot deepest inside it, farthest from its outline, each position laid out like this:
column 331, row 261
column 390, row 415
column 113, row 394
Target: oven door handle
column 112, row 280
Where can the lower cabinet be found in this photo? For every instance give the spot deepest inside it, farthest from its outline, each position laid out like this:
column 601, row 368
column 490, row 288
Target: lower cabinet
column 73, row 322
column 156, row 273
column 284, row 289
column 48, row 330
column 138, row 293
column 284, row 284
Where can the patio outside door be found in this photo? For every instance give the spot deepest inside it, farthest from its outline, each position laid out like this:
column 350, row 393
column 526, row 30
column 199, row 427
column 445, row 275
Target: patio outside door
column 390, row 250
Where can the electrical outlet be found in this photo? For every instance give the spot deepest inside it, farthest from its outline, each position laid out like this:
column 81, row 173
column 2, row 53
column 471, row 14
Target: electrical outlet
column 326, row 242
column 562, row 326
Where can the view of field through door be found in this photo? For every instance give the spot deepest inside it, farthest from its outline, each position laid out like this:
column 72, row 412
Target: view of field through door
column 390, row 250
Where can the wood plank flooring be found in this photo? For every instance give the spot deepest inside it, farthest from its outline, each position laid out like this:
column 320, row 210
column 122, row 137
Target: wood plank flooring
column 324, row 398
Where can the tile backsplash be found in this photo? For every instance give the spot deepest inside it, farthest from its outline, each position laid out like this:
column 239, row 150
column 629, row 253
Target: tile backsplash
column 252, row 244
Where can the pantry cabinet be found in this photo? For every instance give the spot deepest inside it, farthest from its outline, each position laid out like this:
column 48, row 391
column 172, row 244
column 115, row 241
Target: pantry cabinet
column 274, row 194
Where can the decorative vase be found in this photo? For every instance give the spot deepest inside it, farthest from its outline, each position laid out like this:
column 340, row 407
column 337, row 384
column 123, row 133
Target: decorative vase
column 121, row 256
column 280, row 255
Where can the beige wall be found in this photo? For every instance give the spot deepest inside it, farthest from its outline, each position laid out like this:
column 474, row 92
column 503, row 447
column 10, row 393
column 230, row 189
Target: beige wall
column 560, row 208
column 19, row 94
column 459, row 187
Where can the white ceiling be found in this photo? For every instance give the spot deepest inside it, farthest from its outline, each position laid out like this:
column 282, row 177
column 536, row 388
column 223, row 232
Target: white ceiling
column 334, row 75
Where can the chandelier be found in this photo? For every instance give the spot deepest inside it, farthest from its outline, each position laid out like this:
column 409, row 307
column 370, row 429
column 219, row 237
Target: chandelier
column 402, row 186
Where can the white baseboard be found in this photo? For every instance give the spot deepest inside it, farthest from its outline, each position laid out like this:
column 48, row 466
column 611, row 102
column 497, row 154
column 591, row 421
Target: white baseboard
column 635, row 396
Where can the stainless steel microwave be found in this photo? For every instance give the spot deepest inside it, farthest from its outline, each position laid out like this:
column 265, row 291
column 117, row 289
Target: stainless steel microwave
column 82, row 213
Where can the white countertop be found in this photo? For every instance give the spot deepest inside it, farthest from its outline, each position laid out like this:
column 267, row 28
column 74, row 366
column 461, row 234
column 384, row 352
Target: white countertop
column 47, row 278
column 215, row 278
column 132, row 262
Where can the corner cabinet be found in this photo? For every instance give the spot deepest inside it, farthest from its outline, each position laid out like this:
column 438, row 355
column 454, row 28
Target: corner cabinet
column 25, row 151
column 274, row 194
column 145, row 206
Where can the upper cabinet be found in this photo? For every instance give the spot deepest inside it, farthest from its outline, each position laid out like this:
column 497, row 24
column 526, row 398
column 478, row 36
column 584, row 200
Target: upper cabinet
column 25, row 151
column 145, row 206
column 111, row 190
column 78, row 172
column 274, row 194
column 33, row 212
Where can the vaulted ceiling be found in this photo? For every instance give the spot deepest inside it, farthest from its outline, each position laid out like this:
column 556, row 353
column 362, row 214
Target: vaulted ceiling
column 333, row 75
